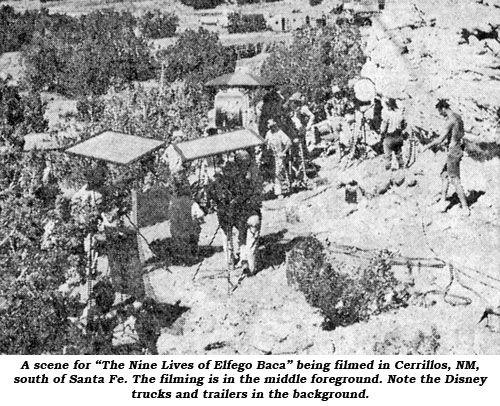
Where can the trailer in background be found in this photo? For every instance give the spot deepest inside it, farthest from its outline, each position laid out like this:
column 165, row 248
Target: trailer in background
column 364, row 6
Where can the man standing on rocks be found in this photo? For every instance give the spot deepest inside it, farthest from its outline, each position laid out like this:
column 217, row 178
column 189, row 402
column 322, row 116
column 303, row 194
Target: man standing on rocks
column 453, row 134
column 279, row 143
column 391, row 130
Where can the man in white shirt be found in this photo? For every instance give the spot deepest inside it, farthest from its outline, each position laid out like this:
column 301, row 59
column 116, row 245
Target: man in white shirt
column 279, row 143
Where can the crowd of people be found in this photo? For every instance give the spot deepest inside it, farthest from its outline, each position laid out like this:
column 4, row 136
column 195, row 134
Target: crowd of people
column 294, row 136
column 353, row 129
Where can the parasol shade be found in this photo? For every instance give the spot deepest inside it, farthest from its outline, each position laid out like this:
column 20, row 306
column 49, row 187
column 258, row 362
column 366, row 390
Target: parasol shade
column 218, row 144
column 114, row 147
column 239, row 79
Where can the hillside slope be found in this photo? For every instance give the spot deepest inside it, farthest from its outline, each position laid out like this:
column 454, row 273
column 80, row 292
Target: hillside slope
column 422, row 50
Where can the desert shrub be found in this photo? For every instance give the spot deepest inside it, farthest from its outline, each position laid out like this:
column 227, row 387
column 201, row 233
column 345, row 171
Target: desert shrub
column 17, row 29
column 156, row 24
column 240, row 23
column 86, row 57
column 171, row 114
column 421, row 344
column 41, row 323
column 315, row 2
column 20, row 114
column 316, row 59
column 34, row 316
column 151, row 113
column 291, row 215
column 344, row 294
column 196, row 57
column 202, row 4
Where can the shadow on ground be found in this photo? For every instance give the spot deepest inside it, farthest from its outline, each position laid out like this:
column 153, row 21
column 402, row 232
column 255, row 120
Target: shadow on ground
column 150, row 320
column 471, row 198
column 168, row 254
column 273, row 249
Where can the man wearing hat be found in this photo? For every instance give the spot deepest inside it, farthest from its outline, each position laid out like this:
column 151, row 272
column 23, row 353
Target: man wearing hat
column 334, row 110
column 391, row 130
column 279, row 143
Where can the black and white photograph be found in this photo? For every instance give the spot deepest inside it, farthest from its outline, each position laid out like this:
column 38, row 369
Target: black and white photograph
column 250, row 177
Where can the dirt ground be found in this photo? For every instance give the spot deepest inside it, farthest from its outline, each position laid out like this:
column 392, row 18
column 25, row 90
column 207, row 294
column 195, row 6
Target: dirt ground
column 265, row 315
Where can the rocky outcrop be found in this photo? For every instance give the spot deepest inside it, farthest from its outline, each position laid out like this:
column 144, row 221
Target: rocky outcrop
column 422, row 50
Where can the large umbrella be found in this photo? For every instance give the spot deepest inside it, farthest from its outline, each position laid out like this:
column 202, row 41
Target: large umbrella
column 239, row 79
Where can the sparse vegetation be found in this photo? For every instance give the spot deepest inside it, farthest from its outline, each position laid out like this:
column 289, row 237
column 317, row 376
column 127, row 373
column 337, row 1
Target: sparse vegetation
column 196, row 57
column 156, row 24
column 19, row 114
column 86, row 56
column 421, row 344
column 315, row 60
column 18, row 29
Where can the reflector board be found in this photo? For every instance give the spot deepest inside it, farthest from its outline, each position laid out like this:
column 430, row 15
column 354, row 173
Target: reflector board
column 218, row 144
column 117, row 148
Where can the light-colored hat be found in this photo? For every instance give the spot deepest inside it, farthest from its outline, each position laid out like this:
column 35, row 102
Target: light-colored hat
column 335, row 89
column 271, row 122
column 253, row 221
column 297, row 96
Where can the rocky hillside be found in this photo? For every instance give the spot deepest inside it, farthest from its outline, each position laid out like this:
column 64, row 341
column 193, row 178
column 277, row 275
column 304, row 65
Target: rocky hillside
column 422, row 50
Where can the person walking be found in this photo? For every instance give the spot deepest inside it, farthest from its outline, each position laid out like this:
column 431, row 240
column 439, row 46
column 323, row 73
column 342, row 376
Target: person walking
column 453, row 135
column 279, row 143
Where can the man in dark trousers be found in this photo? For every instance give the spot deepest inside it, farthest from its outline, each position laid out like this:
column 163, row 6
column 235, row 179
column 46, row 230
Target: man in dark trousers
column 237, row 195
column 391, row 130
column 453, row 135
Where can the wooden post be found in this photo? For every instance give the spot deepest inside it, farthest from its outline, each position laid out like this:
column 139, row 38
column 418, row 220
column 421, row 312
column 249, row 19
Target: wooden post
column 135, row 224
column 230, row 254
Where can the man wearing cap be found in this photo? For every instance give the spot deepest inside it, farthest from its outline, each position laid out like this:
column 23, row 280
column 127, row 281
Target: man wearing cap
column 279, row 143
column 453, row 134
column 391, row 130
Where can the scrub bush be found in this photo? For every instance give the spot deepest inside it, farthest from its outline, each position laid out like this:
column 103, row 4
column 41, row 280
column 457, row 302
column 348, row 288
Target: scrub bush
column 155, row 24
column 421, row 343
column 88, row 55
column 344, row 294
